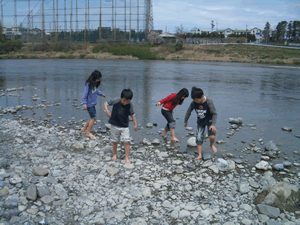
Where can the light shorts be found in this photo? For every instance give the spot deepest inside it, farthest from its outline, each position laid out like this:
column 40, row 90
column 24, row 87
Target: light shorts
column 119, row 133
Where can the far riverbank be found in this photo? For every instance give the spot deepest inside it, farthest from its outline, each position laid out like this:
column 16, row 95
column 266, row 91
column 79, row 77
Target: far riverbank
column 209, row 53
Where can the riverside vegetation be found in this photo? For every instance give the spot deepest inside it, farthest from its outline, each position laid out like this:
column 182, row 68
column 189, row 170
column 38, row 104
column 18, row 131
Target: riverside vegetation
column 212, row 53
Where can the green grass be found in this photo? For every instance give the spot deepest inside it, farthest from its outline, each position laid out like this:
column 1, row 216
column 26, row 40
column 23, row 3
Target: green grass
column 141, row 52
column 82, row 56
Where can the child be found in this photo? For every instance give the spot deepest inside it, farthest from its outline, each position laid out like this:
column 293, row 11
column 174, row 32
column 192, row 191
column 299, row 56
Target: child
column 89, row 100
column 122, row 108
column 207, row 116
column 169, row 103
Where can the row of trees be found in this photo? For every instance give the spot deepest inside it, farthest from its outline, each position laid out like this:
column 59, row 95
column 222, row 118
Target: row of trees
column 284, row 31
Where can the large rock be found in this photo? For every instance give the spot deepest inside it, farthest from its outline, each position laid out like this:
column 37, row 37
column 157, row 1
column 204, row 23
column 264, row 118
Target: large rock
column 39, row 171
column 282, row 194
column 236, row 120
column 31, row 192
column 43, row 190
column 222, row 164
column 268, row 210
column 192, row 142
column 271, row 146
column 156, row 141
column 262, row 165
column 112, row 171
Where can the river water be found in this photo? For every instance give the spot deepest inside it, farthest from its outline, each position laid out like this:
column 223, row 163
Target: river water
column 265, row 95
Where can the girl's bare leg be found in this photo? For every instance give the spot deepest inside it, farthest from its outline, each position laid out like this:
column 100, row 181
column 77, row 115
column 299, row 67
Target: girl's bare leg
column 164, row 134
column 85, row 126
column 199, row 147
column 90, row 126
column 173, row 138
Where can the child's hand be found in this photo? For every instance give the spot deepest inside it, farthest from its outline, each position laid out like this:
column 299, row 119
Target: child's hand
column 108, row 113
column 185, row 124
column 84, row 107
column 213, row 129
column 158, row 104
column 104, row 96
column 135, row 128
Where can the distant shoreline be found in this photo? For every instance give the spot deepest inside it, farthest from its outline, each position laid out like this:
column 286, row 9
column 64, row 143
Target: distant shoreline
column 207, row 53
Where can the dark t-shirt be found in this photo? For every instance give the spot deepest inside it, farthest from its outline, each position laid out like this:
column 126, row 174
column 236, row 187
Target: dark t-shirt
column 120, row 112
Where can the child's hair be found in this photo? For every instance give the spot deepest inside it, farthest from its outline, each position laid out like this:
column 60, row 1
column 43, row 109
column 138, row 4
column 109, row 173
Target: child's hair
column 182, row 93
column 127, row 94
column 92, row 79
column 196, row 92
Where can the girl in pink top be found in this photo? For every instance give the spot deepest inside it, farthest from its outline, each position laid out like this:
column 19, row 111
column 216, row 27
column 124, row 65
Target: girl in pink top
column 169, row 103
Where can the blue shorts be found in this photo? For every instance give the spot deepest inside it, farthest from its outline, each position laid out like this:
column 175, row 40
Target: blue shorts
column 200, row 133
column 92, row 112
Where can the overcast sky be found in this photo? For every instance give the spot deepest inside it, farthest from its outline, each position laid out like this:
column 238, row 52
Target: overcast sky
column 168, row 15
column 228, row 14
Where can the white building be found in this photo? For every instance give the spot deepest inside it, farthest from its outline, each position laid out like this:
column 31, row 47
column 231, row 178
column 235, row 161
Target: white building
column 195, row 31
column 258, row 34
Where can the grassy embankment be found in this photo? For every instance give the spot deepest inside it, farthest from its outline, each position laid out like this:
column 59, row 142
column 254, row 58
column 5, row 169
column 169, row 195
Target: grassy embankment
column 213, row 53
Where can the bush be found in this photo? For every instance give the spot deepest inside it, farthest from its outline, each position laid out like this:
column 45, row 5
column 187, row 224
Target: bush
column 179, row 46
column 7, row 46
column 62, row 57
column 70, row 57
column 141, row 52
column 100, row 48
column 82, row 56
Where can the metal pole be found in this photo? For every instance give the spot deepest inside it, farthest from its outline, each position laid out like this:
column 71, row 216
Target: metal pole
column 56, row 34
column 16, row 24
column 71, row 18
column 115, row 20
column 88, row 14
column 125, row 16
column 77, row 19
column 28, row 21
column 130, row 23
column 112, row 19
column 100, row 21
column 65, row 24
column 1, row 13
column 85, row 21
column 43, row 23
column 138, row 21
column 54, row 25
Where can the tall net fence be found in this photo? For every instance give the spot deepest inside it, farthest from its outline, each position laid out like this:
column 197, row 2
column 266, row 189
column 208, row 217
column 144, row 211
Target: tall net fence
column 76, row 20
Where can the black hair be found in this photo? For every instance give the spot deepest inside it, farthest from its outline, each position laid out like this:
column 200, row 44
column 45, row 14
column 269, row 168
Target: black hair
column 127, row 94
column 92, row 79
column 196, row 92
column 182, row 93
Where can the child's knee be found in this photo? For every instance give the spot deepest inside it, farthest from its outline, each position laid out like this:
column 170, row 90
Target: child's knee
column 172, row 125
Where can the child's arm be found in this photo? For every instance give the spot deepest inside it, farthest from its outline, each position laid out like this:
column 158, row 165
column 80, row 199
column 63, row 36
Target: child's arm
column 213, row 111
column 85, row 96
column 100, row 93
column 108, row 113
column 131, row 113
column 188, row 114
column 135, row 123
column 170, row 97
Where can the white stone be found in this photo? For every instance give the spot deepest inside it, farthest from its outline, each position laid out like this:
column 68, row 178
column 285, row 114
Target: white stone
column 157, row 186
column 192, row 142
column 262, row 165
column 128, row 166
column 205, row 213
column 184, row 213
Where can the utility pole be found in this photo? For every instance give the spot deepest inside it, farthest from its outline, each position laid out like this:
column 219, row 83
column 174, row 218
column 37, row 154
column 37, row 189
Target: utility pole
column 1, row 13
column 84, row 39
column 246, row 33
column 28, row 21
column 15, row 30
column 43, row 23
column 56, row 33
column 71, row 18
column 100, row 21
column 130, row 22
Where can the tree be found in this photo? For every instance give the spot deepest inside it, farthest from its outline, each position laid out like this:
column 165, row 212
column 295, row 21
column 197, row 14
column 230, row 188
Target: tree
column 281, row 30
column 212, row 28
column 266, row 31
column 296, row 30
column 180, row 31
column 290, row 30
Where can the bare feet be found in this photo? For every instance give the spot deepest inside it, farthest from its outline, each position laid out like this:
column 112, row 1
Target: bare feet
column 90, row 135
column 127, row 160
column 174, row 139
column 114, row 157
column 199, row 157
column 214, row 148
column 83, row 130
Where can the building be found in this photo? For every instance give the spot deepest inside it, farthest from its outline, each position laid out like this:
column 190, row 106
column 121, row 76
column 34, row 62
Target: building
column 195, row 31
column 226, row 32
column 258, row 34
column 168, row 38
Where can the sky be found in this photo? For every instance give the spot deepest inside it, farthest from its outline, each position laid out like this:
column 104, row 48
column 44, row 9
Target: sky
column 228, row 14
column 167, row 15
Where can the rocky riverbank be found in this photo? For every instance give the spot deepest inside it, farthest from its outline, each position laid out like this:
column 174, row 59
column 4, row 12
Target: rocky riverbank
column 53, row 175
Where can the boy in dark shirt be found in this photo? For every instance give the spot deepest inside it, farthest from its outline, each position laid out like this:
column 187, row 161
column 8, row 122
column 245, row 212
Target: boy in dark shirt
column 206, row 116
column 122, row 108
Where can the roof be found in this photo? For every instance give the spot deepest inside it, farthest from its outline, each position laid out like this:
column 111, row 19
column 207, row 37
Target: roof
column 166, row 35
